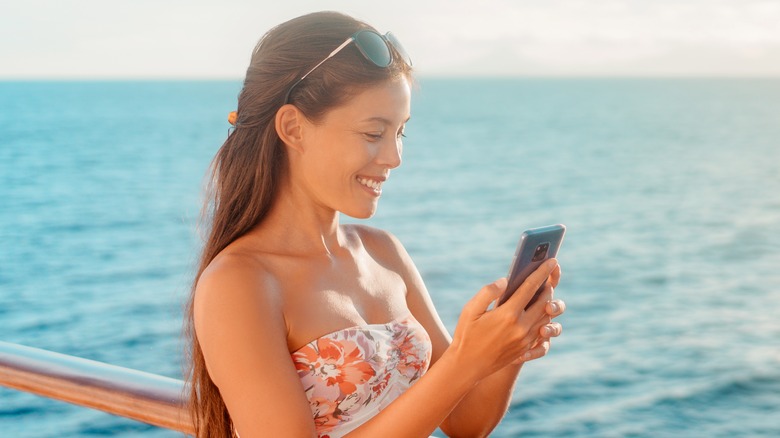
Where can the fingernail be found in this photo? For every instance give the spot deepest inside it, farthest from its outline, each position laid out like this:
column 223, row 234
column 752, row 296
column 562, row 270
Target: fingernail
column 554, row 307
column 527, row 356
column 548, row 331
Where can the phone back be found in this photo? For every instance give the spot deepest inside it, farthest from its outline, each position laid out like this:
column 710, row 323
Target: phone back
column 535, row 246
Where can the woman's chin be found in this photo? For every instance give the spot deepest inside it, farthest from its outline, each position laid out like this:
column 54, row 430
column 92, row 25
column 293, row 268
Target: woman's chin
column 361, row 213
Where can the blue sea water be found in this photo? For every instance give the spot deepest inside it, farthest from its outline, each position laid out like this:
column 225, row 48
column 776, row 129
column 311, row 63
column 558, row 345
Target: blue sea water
column 670, row 189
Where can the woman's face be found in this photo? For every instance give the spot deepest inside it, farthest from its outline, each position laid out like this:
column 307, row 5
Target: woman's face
column 347, row 155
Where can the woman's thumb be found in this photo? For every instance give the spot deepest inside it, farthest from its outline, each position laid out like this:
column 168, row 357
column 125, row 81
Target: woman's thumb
column 489, row 293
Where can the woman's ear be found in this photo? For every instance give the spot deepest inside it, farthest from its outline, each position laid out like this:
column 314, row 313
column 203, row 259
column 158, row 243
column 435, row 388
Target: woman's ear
column 289, row 126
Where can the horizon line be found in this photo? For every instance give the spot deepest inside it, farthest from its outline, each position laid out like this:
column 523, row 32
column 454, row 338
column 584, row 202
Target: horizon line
column 416, row 76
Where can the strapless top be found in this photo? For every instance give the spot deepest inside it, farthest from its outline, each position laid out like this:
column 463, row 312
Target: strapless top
column 352, row 374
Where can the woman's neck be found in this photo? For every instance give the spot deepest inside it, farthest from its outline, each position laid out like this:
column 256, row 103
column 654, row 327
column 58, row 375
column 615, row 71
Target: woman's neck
column 297, row 225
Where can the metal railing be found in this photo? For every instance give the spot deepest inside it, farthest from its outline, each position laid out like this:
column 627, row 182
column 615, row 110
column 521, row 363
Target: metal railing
column 141, row 396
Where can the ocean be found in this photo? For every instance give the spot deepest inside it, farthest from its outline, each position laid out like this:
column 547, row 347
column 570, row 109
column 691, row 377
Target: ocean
column 670, row 189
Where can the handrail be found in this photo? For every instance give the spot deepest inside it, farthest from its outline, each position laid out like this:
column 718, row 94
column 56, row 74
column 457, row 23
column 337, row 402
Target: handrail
column 142, row 396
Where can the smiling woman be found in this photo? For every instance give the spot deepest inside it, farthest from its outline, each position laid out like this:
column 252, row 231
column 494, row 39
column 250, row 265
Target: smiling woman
column 302, row 326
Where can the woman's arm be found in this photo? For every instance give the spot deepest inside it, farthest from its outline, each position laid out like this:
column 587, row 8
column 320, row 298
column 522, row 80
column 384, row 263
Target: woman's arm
column 241, row 329
column 483, row 407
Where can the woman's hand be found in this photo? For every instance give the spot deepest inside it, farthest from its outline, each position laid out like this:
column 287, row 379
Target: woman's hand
column 488, row 340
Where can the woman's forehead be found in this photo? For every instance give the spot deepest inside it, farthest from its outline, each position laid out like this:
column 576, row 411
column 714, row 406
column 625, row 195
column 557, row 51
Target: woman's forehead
column 388, row 103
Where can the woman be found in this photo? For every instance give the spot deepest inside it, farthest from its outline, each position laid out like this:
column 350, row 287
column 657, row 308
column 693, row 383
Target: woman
column 302, row 326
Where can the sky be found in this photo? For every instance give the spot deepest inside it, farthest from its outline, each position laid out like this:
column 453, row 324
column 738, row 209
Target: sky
column 200, row 39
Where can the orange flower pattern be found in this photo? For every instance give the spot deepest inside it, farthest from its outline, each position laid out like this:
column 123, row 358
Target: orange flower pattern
column 352, row 374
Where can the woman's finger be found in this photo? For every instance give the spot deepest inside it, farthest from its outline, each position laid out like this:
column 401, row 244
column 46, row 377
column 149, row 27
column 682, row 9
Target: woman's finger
column 555, row 308
column 538, row 351
column 531, row 284
column 555, row 276
column 534, row 353
column 551, row 330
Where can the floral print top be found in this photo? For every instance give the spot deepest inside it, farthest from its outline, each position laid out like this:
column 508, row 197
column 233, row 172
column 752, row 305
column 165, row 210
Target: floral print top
column 352, row 374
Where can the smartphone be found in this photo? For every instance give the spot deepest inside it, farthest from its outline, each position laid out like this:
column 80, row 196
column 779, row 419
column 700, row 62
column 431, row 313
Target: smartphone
column 535, row 246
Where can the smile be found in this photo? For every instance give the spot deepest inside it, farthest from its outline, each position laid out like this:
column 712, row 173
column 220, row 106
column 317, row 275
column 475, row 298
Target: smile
column 371, row 183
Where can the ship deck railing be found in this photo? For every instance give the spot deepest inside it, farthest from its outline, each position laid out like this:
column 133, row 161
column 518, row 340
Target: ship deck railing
column 141, row 396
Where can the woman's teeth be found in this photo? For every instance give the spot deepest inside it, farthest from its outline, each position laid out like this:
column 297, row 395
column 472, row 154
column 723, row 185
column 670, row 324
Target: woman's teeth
column 376, row 185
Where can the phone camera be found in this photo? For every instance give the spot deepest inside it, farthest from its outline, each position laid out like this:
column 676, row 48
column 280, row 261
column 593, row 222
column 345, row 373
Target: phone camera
column 541, row 252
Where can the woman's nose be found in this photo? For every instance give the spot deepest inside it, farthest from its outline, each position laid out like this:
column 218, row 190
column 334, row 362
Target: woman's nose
column 390, row 154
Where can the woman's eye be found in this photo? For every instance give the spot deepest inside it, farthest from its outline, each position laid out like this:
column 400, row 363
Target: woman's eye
column 401, row 135
column 372, row 136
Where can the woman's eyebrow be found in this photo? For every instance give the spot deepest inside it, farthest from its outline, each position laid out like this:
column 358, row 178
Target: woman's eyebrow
column 382, row 120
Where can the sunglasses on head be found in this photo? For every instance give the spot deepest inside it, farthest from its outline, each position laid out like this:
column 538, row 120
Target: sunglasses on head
column 373, row 46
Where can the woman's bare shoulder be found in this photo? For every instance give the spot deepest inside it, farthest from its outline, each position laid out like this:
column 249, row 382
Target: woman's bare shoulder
column 238, row 271
column 386, row 249
column 376, row 240
column 237, row 282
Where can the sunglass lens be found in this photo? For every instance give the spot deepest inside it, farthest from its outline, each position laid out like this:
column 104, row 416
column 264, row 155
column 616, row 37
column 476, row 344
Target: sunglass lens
column 373, row 46
column 399, row 48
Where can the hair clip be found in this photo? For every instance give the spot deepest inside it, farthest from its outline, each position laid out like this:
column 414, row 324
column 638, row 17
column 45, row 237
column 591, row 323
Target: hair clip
column 233, row 118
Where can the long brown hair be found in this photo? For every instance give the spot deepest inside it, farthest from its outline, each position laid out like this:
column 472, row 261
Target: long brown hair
column 247, row 170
